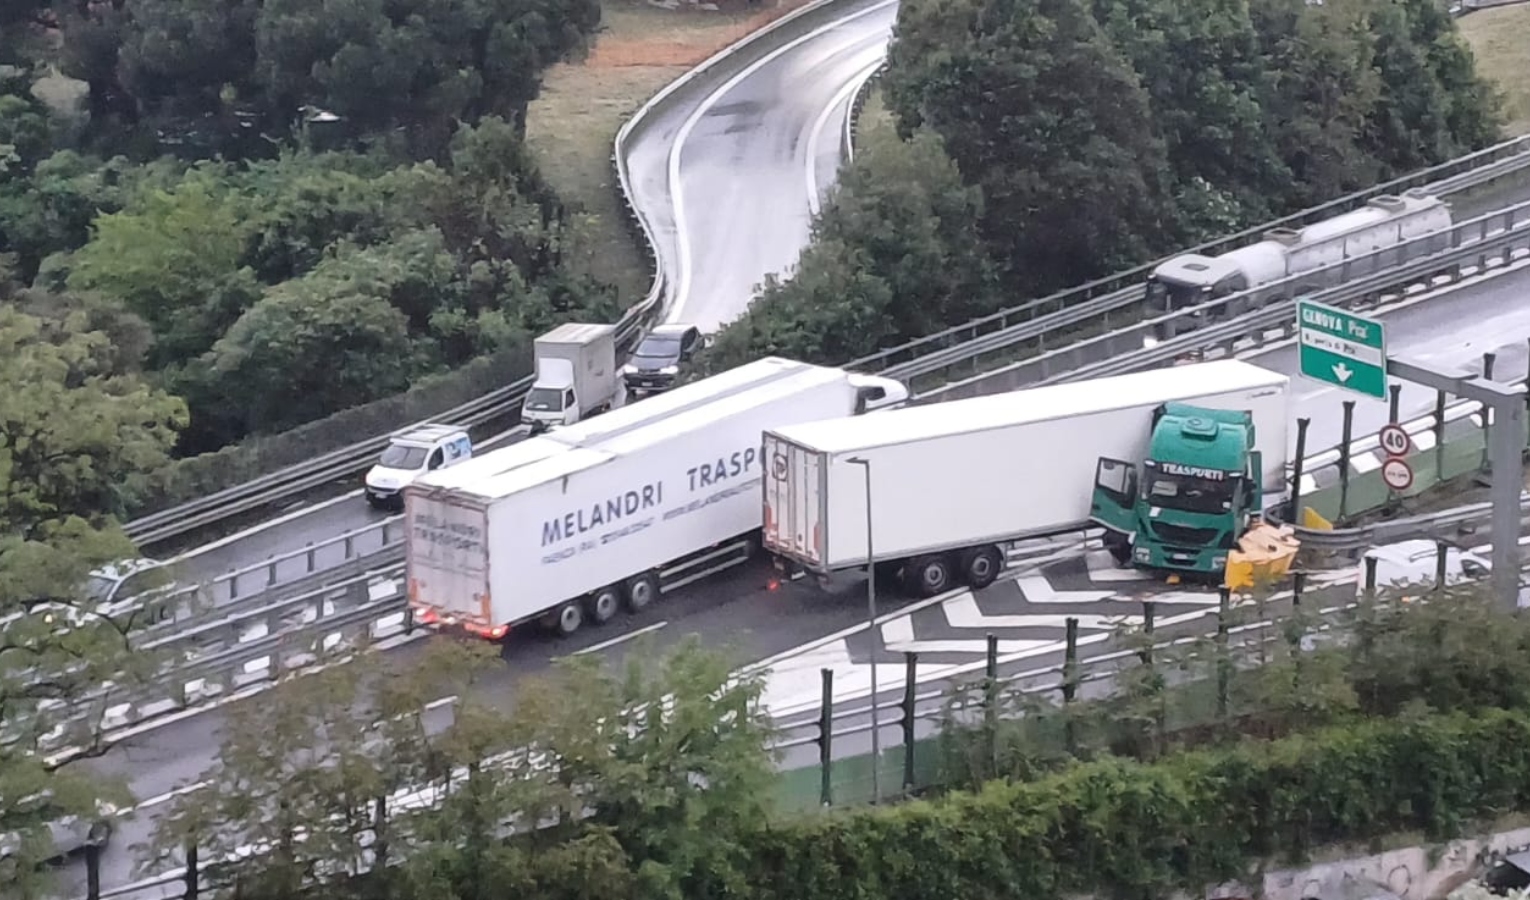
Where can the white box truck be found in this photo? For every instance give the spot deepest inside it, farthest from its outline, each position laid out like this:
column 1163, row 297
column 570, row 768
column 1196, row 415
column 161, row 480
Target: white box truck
column 569, row 527
column 576, row 376
column 951, row 483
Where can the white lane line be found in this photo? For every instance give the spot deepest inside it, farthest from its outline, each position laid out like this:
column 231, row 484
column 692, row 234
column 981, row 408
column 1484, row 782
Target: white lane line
column 620, row 639
column 815, row 134
column 677, row 187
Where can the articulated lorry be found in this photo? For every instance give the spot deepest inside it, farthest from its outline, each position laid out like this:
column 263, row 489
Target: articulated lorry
column 945, row 488
column 571, row 526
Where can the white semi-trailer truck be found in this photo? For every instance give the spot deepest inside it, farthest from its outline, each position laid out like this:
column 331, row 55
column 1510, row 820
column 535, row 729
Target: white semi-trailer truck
column 945, row 487
column 569, row 527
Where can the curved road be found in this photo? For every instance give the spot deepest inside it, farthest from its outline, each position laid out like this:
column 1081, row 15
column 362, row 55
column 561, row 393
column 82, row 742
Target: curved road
column 743, row 161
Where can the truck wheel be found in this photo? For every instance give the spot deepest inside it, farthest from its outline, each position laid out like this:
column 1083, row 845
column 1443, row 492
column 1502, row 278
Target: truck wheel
column 927, row 576
column 981, row 566
column 642, row 591
column 569, row 617
column 604, row 604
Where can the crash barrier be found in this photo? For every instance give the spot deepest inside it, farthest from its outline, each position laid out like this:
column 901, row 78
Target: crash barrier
column 1245, row 321
column 822, row 748
column 966, row 350
column 953, row 353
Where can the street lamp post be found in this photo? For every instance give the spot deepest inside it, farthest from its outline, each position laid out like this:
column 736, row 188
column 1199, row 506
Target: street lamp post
column 871, row 626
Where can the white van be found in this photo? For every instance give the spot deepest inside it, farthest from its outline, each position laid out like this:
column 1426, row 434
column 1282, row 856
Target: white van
column 411, row 454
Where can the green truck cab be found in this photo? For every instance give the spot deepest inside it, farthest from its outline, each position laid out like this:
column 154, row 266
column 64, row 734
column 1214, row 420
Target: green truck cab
column 1197, row 492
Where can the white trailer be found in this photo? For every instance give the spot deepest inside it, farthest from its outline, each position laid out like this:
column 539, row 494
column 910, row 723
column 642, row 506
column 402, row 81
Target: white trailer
column 618, row 510
column 951, row 483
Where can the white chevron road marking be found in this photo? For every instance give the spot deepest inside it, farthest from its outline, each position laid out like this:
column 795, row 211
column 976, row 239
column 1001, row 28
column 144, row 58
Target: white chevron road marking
column 963, row 612
column 1038, row 589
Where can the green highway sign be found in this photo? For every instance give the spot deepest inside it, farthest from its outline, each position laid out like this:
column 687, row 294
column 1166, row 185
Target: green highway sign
column 1342, row 349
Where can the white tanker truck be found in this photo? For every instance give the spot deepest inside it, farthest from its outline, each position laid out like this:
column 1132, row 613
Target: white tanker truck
column 1191, row 279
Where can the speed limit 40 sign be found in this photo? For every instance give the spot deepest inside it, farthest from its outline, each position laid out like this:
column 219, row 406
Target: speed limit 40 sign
column 1395, row 441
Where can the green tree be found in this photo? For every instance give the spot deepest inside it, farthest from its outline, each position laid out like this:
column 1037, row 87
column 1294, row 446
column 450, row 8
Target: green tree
column 315, row 345
column 895, row 255
column 1324, row 92
column 174, row 257
column 416, row 65
column 74, row 435
column 1200, row 64
column 74, row 438
column 1040, row 110
column 47, row 208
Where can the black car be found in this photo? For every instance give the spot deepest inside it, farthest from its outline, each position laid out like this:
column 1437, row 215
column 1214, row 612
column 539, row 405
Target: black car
column 655, row 364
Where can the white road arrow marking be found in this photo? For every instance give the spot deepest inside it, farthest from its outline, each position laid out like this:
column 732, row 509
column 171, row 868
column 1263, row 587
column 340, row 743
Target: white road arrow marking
column 1342, row 372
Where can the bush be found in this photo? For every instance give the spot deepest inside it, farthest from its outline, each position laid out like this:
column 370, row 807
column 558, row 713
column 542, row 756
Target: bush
column 1128, row 829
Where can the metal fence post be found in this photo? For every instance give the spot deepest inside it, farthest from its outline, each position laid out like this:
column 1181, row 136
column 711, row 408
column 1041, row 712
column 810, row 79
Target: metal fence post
column 991, row 703
column 193, row 873
column 93, row 871
column 1070, row 682
column 1294, row 623
column 911, row 663
column 1439, row 435
column 1224, row 662
column 1487, row 426
column 826, row 740
column 1299, row 469
column 1440, row 555
column 1395, row 399
column 1344, row 441
column 1149, row 615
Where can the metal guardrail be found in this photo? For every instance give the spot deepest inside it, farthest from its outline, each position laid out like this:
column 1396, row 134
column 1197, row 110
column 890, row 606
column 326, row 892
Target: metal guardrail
column 1465, row 249
column 1096, row 299
column 223, row 656
column 1027, row 321
column 1354, row 540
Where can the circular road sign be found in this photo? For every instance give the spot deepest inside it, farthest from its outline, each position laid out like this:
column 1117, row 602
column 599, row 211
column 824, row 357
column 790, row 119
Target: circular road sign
column 1397, row 474
column 1394, row 441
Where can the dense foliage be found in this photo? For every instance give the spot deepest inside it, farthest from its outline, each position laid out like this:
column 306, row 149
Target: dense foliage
column 282, row 210
column 73, row 442
column 1092, row 136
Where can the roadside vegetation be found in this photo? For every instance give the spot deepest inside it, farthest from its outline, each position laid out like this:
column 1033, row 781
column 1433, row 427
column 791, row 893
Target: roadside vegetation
column 1500, row 39
column 277, row 216
column 1043, row 144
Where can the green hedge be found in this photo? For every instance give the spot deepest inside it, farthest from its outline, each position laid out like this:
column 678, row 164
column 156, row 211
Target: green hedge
column 1125, row 829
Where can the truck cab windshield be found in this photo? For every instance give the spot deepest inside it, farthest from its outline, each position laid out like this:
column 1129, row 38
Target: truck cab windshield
column 1166, row 296
column 1189, row 493
column 544, row 399
column 401, row 457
